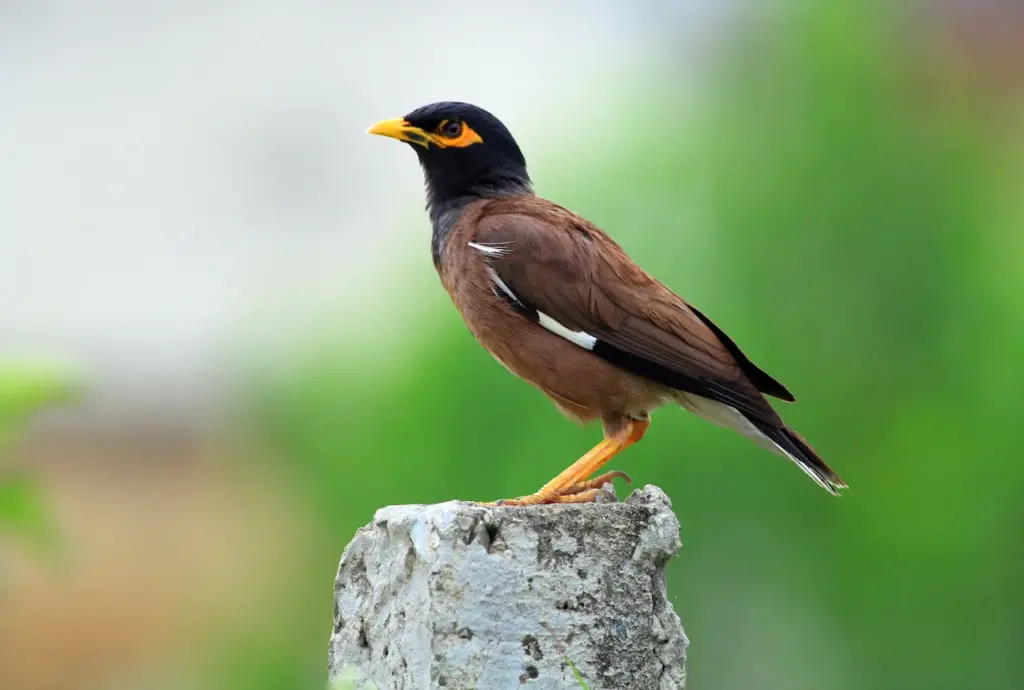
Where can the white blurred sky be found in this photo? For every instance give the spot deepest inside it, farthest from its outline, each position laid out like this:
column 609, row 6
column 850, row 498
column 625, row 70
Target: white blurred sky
column 168, row 168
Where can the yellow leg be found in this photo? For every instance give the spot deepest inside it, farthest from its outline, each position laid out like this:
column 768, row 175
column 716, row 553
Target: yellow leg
column 571, row 485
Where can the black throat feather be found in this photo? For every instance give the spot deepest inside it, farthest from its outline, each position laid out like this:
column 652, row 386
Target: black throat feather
column 446, row 201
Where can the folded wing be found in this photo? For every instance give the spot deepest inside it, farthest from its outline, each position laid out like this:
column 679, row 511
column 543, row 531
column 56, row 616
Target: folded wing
column 571, row 277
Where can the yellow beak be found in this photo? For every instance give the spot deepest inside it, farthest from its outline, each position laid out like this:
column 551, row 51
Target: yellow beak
column 401, row 130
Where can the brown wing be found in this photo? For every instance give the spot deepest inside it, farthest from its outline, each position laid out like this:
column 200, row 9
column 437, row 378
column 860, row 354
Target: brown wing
column 554, row 263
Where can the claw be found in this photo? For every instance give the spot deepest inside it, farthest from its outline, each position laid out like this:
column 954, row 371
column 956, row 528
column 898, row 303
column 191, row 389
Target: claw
column 598, row 482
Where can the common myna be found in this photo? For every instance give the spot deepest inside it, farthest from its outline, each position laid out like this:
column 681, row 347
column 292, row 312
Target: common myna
column 560, row 304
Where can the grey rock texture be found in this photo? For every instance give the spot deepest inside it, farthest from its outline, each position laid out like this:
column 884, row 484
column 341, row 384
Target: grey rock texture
column 462, row 596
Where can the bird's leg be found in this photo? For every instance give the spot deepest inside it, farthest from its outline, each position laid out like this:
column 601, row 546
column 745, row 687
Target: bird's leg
column 571, row 485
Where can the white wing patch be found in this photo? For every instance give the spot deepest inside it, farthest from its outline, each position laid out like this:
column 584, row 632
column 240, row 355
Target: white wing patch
column 490, row 249
column 496, row 279
column 581, row 338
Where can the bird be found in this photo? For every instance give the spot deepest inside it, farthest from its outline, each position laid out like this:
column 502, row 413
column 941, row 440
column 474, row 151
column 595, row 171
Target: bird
column 561, row 305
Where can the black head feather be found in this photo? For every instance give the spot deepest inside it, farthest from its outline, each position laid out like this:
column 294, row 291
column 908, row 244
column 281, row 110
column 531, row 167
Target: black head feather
column 493, row 167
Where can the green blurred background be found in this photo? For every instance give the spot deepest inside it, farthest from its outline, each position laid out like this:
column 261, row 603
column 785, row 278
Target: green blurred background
column 839, row 185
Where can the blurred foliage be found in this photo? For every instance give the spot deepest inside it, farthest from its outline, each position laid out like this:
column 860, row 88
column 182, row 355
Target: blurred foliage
column 24, row 389
column 840, row 210
column 22, row 510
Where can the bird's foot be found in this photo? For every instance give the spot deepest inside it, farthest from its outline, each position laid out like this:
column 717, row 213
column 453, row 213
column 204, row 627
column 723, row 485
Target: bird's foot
column 597, row 482
column 589, row 491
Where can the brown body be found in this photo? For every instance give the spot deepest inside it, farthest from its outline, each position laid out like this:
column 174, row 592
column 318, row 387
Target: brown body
column 565, row 267
column 572, row 268
column 583, row 386
column 562, row 306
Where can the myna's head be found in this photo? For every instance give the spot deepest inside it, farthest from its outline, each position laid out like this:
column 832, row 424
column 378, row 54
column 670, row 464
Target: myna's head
column 464, row 150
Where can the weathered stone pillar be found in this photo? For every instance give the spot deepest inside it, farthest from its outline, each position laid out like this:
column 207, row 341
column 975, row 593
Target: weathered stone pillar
column 462, row 596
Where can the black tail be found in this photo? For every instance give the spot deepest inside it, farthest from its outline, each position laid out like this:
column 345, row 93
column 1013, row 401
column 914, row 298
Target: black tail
column 801, row 453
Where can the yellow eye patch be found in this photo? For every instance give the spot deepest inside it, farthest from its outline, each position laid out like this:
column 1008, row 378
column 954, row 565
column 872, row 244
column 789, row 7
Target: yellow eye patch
column 455, row 134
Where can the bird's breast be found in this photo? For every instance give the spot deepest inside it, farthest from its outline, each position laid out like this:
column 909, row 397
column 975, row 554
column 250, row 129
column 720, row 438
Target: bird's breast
column 583, row 385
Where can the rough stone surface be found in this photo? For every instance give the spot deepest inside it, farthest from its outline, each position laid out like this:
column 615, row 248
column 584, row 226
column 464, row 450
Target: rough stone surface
column 462, row 596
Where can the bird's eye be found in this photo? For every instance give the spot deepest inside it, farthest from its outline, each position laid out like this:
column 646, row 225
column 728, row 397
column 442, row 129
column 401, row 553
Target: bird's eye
column 451, row 129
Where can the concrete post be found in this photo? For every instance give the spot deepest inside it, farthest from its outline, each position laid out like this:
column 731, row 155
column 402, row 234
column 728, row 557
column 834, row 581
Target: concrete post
column 461, row 596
